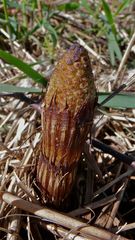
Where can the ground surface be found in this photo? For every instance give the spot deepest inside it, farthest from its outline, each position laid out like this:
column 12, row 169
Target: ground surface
column 38, row 34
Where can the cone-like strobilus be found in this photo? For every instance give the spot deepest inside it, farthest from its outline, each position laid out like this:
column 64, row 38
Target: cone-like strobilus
column 67, row 116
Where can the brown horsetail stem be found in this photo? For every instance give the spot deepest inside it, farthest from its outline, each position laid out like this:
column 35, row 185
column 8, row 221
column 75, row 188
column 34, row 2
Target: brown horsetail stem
column 67, row 116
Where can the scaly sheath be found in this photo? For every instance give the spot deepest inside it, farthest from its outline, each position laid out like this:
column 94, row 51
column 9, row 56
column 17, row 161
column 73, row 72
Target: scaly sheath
column 67, row 116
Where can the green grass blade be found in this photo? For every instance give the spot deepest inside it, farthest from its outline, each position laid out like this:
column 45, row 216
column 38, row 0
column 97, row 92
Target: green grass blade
column 24, row 67
column 69, row 6
column 86, row 5
column 111, row 52
column 9, row 88
column 124, row 4
column 52, row 31
column 114, row 49
column 122, row 100
column 109, row 16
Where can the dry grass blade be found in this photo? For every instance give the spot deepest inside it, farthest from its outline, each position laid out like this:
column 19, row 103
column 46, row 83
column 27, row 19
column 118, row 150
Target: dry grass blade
column 59, row 218
column 126, row 227
column 91, row 51
column 129, row 172
column 14, row 226
column 125, row 56
column 116, row 205
column 61, row 232
column 93, row 205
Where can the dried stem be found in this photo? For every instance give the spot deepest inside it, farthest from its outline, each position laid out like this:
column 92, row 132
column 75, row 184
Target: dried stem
column 59, row 231
column 116, row 206
column 59, row 218
column 126, row 174
column 125, row 57
column 106, row 149
column 90, row 50
column 14, row 226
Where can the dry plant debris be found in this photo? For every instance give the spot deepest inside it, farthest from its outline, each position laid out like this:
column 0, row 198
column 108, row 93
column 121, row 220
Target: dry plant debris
column 103, row 194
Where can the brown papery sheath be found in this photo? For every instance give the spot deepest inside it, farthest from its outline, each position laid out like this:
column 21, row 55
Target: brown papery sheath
column 67, row 116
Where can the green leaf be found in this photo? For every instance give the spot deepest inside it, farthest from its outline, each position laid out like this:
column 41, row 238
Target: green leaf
column 124, row 4
column 52, row 31
column 9, row 88
column 24, row 67
column 114, row 49
column 69, row 6
column 33, row 30
column 121, row 100
column 111, row 52
column 86, row 5
column 109, row 16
